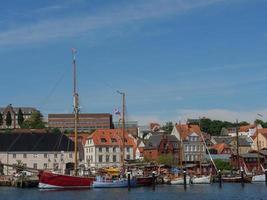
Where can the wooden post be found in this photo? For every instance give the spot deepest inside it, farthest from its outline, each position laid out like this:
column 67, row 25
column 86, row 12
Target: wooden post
column 184, row 173
column 129, row 181
column 242, row 177
column 265, row 171
column 220, row 178
column 154, row 180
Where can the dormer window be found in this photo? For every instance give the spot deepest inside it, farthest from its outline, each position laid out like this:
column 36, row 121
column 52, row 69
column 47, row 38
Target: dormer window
column 103, row 140
column 113, row 140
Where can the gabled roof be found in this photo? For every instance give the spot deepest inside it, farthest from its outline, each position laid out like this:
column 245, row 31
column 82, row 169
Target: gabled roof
column 154, row 140
column 35, row 142
column 111, row 137
column 246, row 128
column 186, row 129
column 220, row 147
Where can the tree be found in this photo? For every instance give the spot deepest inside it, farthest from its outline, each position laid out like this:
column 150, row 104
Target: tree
column 20, row 118
column 165, row 159
column 168, row 127
column 222, row 165
column 35, row 121
column 1, row 119
column 8, row 119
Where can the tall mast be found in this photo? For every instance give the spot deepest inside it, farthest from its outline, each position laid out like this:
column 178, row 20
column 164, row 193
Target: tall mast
column 237, row 145
column 258, row 149
column 76, row 112
column 123, row 128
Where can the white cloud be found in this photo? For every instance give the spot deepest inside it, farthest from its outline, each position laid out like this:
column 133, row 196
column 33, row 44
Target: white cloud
column 47, row 30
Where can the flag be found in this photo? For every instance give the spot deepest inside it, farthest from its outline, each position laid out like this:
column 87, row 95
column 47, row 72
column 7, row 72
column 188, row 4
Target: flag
column 117, row 112
column 260, row 115
column 74, row 51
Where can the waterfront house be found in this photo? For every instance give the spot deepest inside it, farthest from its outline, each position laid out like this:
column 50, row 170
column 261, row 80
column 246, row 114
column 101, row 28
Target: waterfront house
column 221, row 148
column 261, row 137
column 193, row 149
column 162, row 144
column 36, row 150
column 103, row 148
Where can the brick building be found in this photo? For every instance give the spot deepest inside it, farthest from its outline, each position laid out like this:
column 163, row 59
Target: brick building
column 86, row 122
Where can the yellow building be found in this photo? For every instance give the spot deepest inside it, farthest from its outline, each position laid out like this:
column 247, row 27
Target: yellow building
column 261, row 137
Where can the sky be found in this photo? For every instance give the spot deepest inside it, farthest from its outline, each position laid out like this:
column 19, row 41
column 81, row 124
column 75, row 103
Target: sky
column 174, row 59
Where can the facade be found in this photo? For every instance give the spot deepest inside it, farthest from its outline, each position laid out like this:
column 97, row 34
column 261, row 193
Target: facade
column 261, row 138
column 221, row 148
column 86, row 123
column 162, row 144
column 193, row 149
column 36, row 150
column 27, row 111
column 245, row 144
column 103, row 148
column 248, row 130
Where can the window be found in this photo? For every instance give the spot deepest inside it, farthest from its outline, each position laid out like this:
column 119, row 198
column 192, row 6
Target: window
column 35, row 165
column 128, row 149
column 55, row 155
column 100, row 149
column 100, row 158
column 103, row 140
column 70, row 155
column 128, row 157
column 113, row 140
column 45, row 155
column 24, row 155
column 14, row 155
column 114, row 158
column 114, row 149
column 107, row 158
column 107, row 149
column 45, row 165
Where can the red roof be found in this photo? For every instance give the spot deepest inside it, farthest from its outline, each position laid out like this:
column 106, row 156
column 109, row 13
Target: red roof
column 82, row 137
column 246, row 128
column 220, row 147
column 111, row 137
column 186, row 129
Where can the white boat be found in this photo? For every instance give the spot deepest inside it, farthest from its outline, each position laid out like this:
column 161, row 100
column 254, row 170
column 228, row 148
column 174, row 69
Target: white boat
column 201, row 179
column 258, row 178
column 180, row 181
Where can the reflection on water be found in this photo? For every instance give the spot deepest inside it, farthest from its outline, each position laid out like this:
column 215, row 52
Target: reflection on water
column 169, row 192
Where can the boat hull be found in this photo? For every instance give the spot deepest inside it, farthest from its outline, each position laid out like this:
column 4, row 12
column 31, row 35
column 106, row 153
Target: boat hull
column 49, row 180
column 145, row 181
column 236, row 179
column 114, row 184
column 180, row 181
column 201, row 180
column 258, row 178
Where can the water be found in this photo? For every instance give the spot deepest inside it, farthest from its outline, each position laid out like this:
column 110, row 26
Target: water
column 166, row 192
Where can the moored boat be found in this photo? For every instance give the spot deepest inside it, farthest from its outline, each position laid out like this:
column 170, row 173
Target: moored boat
column 145, row 181
column 201, row 179
column 117, row 183
column 236, row 179
column 51, row 180
column 258, row 178
column 180, row 181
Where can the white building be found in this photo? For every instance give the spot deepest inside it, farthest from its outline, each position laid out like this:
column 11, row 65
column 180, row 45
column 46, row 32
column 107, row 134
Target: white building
column 35, row 150
column 103, row 148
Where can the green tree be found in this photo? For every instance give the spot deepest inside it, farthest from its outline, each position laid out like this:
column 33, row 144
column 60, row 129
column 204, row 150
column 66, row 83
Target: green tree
column 222, row 165
column 165, row 159
column 8, row 119
column 1, row 119
column 20, row 118
column 35, row 121
column 168, row 127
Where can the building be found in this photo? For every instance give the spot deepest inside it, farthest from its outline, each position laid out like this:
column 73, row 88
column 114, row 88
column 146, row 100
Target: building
column 130, row 126
column 221, row 148
column 162, row 144
column 86, row 123
column 244, row 143
column 103, row 148
column 36, row 150
column 27, row 111
column 190, row 137
column 261, row 138
column 248, row 130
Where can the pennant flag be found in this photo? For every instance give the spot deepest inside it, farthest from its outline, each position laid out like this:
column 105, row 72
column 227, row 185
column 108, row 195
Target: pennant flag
column 117, row 112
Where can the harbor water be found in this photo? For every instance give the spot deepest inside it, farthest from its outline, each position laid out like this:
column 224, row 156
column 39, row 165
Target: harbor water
column 169, row 192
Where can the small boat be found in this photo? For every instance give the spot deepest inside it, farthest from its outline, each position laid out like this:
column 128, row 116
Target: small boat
column 52, row 180
column 201, row 179
column 236, row 179
column 167, row 179
column 180, row 181
column 118, row 183
column 258, row 178
column 145, row 181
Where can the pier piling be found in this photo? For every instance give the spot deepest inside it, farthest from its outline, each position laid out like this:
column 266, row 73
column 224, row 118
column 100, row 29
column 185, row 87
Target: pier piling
column 184, row 173
column 242, row 177
column 220, row 178
column 154, row 180
column 265, row 171
column 129, row 181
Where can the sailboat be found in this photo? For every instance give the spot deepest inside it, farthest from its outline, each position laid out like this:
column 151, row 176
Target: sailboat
column 53, row 180
column 101, row 182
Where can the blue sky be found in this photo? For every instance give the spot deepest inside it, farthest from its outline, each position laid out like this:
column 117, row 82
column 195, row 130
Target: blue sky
column 173, row 58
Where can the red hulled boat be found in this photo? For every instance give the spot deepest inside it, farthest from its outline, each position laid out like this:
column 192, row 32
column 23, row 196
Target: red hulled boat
column 51, row 180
